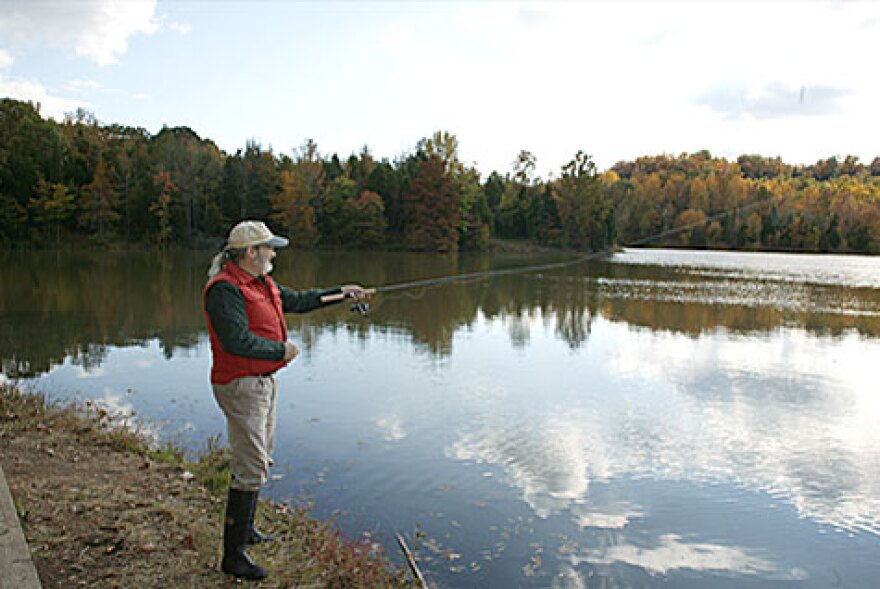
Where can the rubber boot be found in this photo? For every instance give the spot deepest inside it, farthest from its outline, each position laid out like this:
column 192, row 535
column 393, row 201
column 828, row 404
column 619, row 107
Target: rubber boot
column 239, row 515
column 254, row 535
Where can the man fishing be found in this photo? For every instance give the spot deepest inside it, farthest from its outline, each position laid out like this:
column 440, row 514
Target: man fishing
column 244, row 310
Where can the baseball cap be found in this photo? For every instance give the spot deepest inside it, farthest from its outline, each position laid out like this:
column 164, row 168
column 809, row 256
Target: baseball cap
column 248, row 233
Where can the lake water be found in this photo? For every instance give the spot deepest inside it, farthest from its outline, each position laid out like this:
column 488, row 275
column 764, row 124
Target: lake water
column 654, row 419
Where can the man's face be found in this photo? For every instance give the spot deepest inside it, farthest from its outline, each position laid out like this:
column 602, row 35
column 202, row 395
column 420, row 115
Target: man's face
column 263, row 258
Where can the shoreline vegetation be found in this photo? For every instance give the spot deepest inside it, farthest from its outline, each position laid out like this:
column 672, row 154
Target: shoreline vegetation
column 496, row 245
column 102, row 507
column 81, row 180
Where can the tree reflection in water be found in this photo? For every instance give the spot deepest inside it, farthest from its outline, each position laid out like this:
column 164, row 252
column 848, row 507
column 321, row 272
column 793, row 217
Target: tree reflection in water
column 74, row 303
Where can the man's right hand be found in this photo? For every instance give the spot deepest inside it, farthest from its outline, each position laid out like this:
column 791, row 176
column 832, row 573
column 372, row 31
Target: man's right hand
column 291, row 351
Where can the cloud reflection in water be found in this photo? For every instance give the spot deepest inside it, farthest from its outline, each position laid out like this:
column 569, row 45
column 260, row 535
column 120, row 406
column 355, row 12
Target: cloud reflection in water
column 785, row 413
column 546, row 458
column 672, row 553
column 391, row 428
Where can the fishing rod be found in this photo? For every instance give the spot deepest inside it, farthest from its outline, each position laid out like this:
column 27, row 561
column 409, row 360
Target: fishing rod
column 363, row 308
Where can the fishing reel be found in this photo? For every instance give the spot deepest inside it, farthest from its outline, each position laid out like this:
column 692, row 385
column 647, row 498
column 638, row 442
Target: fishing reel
column 361, row 307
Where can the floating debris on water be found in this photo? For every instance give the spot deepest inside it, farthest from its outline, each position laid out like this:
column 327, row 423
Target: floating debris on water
column 450, row 555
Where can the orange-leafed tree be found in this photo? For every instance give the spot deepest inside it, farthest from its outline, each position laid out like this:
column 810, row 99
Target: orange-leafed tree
column 293, row 210
column 161, row 207
column 99, row 202
column 431, row 208
column 692, row 227
column 367, row 214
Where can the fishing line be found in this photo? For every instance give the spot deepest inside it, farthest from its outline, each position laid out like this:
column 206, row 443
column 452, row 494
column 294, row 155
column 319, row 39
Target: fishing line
column 429, row 283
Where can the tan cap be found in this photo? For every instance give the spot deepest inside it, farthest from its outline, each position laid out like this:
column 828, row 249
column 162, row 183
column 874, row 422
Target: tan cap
column 248, row 233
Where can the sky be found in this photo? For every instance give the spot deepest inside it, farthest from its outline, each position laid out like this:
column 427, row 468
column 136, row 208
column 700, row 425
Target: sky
column 617, row 80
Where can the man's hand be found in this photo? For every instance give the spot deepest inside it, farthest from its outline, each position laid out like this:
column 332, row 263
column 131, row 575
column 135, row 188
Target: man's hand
column 357, row 292
column 291, row 351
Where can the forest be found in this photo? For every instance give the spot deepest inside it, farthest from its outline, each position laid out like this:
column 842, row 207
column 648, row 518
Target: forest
column 82, row 182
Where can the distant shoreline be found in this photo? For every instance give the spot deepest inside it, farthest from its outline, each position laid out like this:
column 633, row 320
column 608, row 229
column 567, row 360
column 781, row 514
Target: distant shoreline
column 496, row 245
column 745, row 250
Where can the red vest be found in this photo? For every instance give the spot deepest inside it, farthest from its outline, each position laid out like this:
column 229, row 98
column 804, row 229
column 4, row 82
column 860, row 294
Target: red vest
column 262, row 302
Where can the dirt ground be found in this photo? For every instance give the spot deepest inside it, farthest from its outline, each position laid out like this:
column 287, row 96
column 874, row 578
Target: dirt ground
column 98, row 510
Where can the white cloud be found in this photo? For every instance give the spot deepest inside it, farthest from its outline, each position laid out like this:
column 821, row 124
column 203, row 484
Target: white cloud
column 628, row 79
column 95, row 29
column 6, row 61
column 181, row 28
column 775, row 100
column 80, row 85
column 33, row 91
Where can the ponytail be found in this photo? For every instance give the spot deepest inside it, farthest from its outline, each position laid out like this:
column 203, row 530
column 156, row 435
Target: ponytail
column 217, row 263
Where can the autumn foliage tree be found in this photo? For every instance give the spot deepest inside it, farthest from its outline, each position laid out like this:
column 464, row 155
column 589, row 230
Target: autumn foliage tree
column 32, row 150
column 474, row 230
column 431, row 208
column 336, row 217
column 585, row 211
column 99, row 202
column 161, row 208
column 52, row 205
column 293, row 211
column 367, row 214
column 195, row 166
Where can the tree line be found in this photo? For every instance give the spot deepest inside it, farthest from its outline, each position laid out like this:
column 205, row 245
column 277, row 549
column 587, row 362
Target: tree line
column 81, row 180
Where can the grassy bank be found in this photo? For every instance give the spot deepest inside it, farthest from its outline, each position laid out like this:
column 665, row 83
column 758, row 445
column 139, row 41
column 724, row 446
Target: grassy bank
column 101, row 508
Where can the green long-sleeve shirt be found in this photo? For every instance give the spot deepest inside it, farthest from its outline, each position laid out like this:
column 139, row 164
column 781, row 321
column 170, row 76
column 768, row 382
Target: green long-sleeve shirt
column 224, row 304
